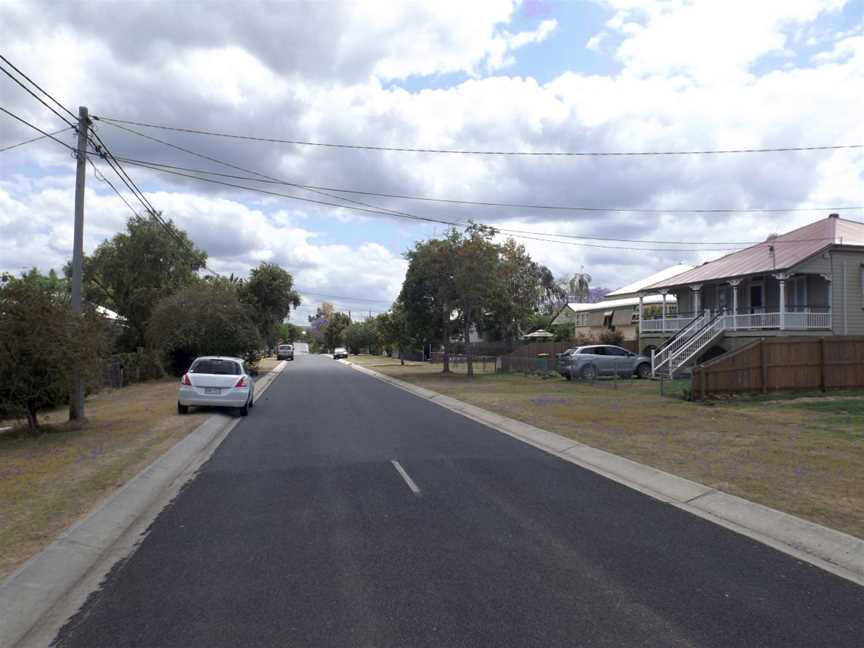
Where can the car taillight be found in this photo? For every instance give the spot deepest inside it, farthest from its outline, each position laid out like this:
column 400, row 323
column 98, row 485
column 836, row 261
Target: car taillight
column 186, row 380
column 241, row 382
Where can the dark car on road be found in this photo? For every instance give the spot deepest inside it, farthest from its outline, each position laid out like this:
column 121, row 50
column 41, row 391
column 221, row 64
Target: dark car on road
column 597, row 360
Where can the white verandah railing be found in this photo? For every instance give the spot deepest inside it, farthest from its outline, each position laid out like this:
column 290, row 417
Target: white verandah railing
column 791, row 320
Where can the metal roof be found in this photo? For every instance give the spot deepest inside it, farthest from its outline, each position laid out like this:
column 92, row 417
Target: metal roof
column 774, row 254
column 636, row 286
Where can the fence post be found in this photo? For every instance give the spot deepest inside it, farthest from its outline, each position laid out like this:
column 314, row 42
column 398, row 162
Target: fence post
column 822, row 380
column 764, row 366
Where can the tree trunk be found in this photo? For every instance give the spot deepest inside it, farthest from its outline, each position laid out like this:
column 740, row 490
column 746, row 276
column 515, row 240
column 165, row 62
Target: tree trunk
column 446, row 329
column 32, row 419
column 467, row 333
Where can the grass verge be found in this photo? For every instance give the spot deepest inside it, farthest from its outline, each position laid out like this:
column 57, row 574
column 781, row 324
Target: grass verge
column 48, row 482
column 801, row 454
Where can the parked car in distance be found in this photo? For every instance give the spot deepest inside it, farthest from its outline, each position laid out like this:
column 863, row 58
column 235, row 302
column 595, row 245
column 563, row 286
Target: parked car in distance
column 340, row 352
column 285, row 352
column 216, row 381
column 596, row 360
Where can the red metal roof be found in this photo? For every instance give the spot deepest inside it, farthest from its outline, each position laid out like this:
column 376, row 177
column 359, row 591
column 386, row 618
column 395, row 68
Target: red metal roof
column 775, row 254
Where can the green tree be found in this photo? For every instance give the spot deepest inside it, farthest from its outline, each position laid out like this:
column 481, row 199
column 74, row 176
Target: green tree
column 360, row 335
column 203, row 319
column 137, row 268
column 269, row 293
column 428, row 292
column 41, row 341
column 394, row 331
column 287, row 332
column 333, row 334
column 518, row 292
column 475, row 280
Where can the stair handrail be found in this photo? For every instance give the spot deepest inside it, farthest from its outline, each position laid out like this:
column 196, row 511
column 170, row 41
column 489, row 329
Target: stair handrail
column 699, row 340
column 662, row 355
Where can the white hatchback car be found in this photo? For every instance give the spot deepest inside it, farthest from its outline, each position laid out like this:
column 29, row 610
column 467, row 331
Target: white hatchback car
column 216, row 381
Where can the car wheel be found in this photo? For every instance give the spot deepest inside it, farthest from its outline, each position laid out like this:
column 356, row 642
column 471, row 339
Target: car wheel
column 589, row 372
column 567, row 375
column 643, row 370
column 244, row 411
column 252, row 401
column 182, row 409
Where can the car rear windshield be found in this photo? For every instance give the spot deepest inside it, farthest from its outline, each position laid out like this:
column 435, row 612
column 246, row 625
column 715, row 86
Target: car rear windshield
column 284, row 347
column 217, row 367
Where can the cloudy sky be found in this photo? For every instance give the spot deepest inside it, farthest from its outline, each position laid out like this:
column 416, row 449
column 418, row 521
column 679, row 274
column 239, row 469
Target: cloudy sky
column 600, row 75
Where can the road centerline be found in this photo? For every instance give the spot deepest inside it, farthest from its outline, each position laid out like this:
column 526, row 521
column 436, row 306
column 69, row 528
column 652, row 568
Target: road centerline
column 414, row 488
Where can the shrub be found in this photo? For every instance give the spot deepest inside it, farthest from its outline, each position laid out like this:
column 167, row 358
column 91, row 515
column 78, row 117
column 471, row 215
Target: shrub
column 204, row 319
column 43, row 341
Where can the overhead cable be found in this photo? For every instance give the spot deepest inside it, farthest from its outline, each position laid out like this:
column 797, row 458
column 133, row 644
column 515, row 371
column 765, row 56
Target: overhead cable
column 194, row 131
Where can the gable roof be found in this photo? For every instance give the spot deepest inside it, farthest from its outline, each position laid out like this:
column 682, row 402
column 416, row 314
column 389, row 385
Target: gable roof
column 636, row 286
column 789, row 250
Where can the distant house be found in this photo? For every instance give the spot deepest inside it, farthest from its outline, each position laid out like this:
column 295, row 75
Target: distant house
column 809, row 281
column 621, row 309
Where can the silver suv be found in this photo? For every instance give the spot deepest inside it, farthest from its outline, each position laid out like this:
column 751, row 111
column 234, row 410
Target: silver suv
column 596, row 360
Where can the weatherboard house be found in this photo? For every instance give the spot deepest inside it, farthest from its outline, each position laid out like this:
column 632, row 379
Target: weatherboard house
column 809, row 281
column 621, row 310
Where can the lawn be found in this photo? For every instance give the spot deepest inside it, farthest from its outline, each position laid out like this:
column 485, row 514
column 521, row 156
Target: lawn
column 803, row 455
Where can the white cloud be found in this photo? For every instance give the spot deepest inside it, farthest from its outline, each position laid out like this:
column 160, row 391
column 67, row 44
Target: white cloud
column 688, row 81
column 707, row 40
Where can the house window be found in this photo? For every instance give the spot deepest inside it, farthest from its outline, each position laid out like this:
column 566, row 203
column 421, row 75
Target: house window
column 607, row 320
column 634, row 317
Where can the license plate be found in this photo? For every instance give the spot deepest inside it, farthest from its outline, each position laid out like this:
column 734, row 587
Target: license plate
column 212, row 390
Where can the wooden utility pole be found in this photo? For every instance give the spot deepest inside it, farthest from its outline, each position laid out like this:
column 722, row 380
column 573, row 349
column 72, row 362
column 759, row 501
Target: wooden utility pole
column 76, row 397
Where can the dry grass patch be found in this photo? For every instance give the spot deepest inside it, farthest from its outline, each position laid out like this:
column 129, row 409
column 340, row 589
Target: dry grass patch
column 48, row 482
column 804, row 456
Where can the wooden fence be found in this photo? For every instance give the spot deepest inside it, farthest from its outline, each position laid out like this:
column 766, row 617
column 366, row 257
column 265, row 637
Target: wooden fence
column 771, row 364
column 533, row 349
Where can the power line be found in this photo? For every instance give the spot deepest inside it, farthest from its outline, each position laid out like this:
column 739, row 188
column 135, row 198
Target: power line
column 33, row 139
column 423, row 218
column 36, row 128
column 401, row 149
column 366, row 207
column 258, row 173
column 391, row 212
column 40, row 88
column 109, row 158
column 478, row 203
column 159, row 165
column 35, row 96
column 100, row 176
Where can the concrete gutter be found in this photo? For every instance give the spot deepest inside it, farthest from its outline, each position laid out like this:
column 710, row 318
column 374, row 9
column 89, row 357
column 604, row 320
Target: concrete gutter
column 38, row 598
column 831, row 550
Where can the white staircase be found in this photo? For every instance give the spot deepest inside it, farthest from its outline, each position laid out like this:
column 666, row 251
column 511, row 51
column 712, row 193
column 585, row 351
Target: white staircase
column 688, row 343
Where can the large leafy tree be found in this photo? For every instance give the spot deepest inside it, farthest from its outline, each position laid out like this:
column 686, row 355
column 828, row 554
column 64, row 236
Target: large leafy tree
column 135, row 269
column 394, row 332
column 202, row 319
column 333, row 334
column 519, row 291
column 360, row 335
column 42, row 341
column 269, row 293
column 429, row 294
column 476, row 280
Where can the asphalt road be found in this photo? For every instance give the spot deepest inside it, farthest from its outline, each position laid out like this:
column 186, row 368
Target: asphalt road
column 301, row 531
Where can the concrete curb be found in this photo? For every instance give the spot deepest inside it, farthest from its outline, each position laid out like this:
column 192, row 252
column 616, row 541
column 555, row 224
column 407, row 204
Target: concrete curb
column 831, row 550
column 87, row 550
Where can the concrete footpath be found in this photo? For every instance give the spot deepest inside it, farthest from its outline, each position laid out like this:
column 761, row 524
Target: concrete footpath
column 36, row 599
column 831, row 550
